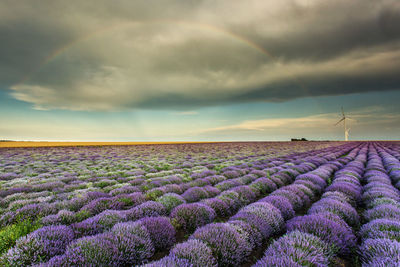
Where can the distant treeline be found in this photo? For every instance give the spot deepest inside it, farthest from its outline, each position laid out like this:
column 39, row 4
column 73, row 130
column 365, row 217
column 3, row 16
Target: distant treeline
column 298, row 139
column 6, row 140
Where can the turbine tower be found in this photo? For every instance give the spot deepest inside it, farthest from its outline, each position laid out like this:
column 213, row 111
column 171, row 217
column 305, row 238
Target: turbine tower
column 346, row 130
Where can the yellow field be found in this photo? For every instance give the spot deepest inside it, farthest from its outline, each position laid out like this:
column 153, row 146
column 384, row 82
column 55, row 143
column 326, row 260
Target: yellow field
column 45, row 144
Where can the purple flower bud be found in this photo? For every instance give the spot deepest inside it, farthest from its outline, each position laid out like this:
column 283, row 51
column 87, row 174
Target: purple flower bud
column 229, row 248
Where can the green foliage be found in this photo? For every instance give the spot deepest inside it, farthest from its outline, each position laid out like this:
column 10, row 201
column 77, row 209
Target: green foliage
column 169, row 201
column 102, row 184
column 154, row 194
column 10, row 233
column 127, row 201
column 218, row 168
column 163, row 167
column 147, row 187
column 82, row 215
column 186, row 178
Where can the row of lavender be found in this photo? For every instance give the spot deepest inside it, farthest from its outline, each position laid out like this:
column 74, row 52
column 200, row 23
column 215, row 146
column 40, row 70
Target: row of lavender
column 21, row 253
column 330, row 229
column 93, row 203
column 286, row 191
column 230, row 243
column 380, row 234
column 54, row 175
column 325, row 232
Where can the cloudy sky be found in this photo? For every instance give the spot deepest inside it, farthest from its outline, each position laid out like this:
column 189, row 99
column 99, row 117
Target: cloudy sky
column 147, row 70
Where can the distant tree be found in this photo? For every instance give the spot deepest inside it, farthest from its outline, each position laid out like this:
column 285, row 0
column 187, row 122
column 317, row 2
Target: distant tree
column 298, row 139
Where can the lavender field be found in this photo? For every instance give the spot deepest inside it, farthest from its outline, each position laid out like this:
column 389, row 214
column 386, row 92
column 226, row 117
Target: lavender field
column 217, row 204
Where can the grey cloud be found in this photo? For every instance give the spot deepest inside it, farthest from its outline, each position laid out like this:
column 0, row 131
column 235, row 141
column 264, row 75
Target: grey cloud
column 181, row 55
column 365, row 125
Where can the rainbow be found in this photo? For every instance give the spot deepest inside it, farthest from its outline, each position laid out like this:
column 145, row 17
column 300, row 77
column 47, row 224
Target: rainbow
column 204, row 26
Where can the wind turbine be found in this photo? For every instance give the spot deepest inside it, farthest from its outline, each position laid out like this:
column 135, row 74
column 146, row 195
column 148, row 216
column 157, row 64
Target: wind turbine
column 346, row 130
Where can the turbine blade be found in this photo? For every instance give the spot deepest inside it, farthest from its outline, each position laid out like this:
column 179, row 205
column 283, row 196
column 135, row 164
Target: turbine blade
column 343, row 112
column 340, row 121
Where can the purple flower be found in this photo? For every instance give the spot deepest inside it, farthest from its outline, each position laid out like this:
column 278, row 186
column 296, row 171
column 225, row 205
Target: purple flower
column 99, row 223
column 283, row 261
column 378, row 179
column 310, row 185
column 383, row 211
column 293, row 198
column 211, row 191
column 381, row 228
column 373, row 248
column 34, row 211
column 282, row 204
column 170, row 201
column 172, row 188
column 195, row 183
column 225, row 185
column 375, row 185
column 231, row 174
column 339, row 196
column 133, row 242
column 97, row 205
column 376, row 173
column 194, row 194
column 347, row 179
column 14, row 190
column 303, row 248
column 127, row 189
column 66, row 216
column 246, row 195
column 40, row 245
column 383, row 262
column 98, row 250
column 214, row 179
column 259, row 173
column 231, row 198
column 95, row 194
column 263, row 185
column 247, row 178
column 8, row 176
column 196, row 252
column 302, row 191
column 282, row 176
column 228, row 247
column 169, row 261
column 263, row 216
column 351, row 190
column 220, row 207
column 50, row 220
column 313, row 178
column 131, row 228
column 247, row 232
column 343, row 210
column 86, row 227
column 381, row 201
column 161, row 231
column 147, row 209
column 189, row 217
column 328, row 230
column 375, row 193
column 278, row 182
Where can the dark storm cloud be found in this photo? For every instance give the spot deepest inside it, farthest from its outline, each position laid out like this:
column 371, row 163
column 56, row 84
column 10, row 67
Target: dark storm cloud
column 332, row 28
column 185, row 54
